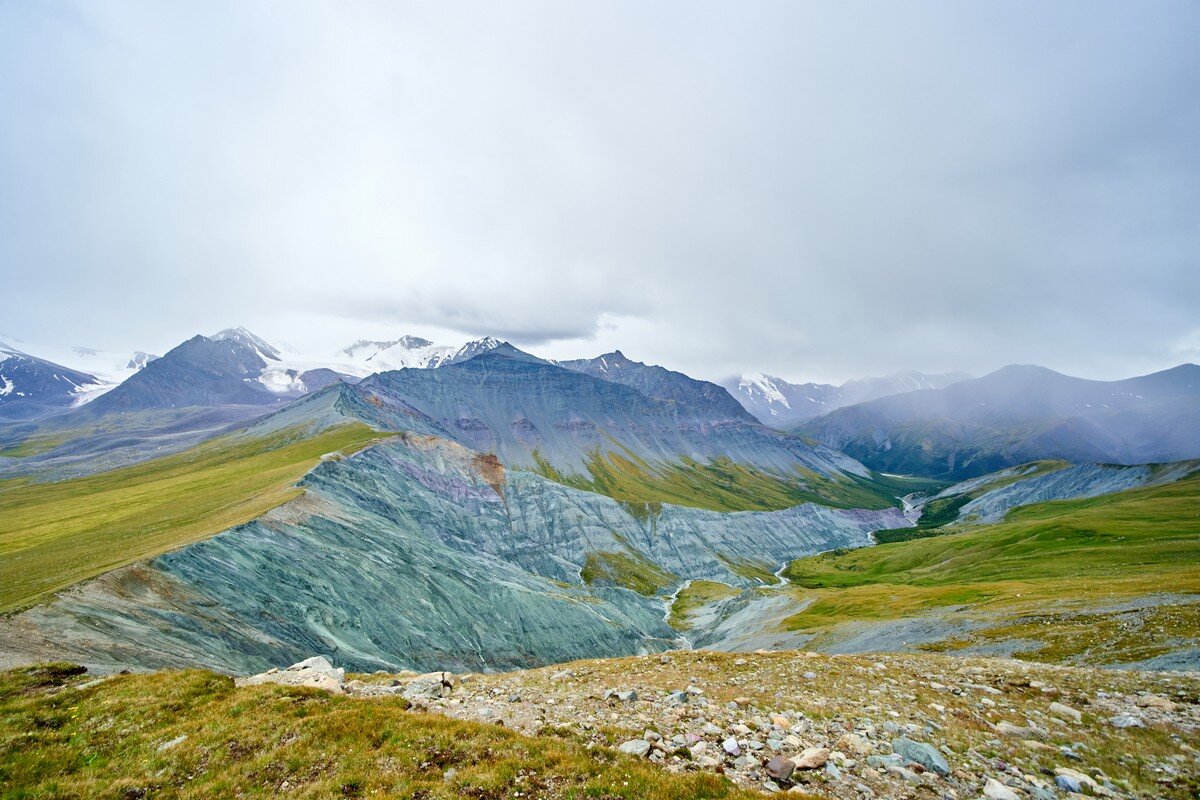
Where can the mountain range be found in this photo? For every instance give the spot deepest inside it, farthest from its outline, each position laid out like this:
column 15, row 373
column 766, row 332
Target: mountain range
column 781, row 404
column 398, row 503
column 1018, row 414
column 938, row 425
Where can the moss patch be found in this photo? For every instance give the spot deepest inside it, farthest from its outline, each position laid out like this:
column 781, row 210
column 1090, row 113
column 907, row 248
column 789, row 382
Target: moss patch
column 630, row 570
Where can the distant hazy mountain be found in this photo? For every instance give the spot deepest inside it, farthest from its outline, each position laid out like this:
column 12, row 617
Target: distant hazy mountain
column 660, row 383
column 776, row 402
column 1019, row 414
column 31, row 387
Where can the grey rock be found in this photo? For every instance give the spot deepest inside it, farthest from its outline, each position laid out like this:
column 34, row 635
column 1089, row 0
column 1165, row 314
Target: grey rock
column 636, row 747
column 1126, row 721
column 995, row 790
column 921, row 753
column 780, row 768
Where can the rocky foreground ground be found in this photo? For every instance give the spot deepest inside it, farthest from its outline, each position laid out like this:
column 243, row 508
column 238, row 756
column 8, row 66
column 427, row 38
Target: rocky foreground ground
column 889, row 726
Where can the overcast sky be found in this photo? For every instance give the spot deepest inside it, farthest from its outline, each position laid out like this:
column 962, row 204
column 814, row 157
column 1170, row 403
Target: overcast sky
column 815, row 190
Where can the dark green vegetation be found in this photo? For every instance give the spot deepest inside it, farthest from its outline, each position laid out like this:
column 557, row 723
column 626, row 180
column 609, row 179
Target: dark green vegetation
column 106, row 741
column 1041, row 558
column 719, row 485
column 57, row 534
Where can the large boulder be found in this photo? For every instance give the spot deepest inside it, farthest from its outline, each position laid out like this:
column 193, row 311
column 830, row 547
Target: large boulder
column 921, row 753
column 430, row 686
column 315, row 673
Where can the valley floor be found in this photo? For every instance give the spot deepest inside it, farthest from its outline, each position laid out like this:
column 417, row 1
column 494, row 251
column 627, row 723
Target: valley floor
column 691, row 723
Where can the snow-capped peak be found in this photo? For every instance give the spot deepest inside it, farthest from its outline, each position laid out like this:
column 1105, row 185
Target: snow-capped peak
column 470, row 350
column 765, row 385
column 243, row 336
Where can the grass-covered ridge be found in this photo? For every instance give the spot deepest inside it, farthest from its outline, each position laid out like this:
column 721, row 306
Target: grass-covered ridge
column 1153, row 530
column 1040, row 563
column 629, row 569
column 718, row 485
column 57, row 534
column 111, row 741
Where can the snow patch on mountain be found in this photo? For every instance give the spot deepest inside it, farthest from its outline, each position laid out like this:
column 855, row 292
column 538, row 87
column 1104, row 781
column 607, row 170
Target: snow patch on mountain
column 285, row 370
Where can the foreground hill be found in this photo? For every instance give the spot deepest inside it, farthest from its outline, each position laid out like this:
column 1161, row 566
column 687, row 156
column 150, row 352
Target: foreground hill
column 1019, row 414
column 680, row 725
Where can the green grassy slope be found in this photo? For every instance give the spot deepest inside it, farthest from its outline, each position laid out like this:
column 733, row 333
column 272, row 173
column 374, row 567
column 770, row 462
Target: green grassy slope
column 56, row 534
column 1145, row 531
column 107, row 741
column 1040, row 560
column 722, row 485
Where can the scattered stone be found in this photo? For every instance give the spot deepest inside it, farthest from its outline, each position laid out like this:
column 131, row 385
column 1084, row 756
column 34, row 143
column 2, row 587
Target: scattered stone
column 995, row 790
column 906, row 774
column 1066, row 712
column 1020, row 731
column 921, row 753
column 780, row 768
column 1074, row 781
column 812, row 758
column 315, row 672
column 855, row 744
column 1126, row 721
column 176, row 741
column 731, row 746
column 1155, row 701
column 626, row 696
column 429, row 686
column 636, row 747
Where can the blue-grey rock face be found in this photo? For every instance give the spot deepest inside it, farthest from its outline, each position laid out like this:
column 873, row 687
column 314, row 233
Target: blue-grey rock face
column 420, row 553
column 32, row 387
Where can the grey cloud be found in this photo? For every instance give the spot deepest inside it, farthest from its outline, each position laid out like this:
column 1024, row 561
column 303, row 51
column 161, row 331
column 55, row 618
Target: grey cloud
column 815, row 190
